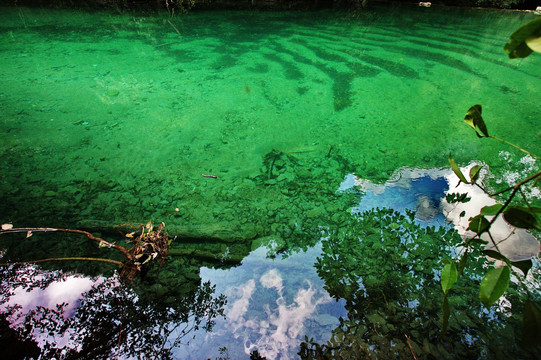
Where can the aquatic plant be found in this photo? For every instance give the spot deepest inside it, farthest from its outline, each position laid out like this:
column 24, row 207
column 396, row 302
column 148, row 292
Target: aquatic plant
column 519, row 213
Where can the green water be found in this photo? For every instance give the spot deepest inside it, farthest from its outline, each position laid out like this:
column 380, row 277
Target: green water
column 112, row 119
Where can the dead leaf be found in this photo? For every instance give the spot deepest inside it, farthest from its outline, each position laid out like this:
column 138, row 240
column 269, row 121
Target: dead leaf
column 7, row 226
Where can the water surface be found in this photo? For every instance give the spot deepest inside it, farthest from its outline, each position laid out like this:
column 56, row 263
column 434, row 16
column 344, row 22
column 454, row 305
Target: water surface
column 111, row 119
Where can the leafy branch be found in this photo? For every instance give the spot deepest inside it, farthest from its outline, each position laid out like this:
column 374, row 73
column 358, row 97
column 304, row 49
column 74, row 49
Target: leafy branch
column 495, row 283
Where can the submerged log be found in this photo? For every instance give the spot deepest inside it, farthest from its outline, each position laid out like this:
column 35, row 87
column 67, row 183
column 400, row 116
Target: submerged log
column 214, row 232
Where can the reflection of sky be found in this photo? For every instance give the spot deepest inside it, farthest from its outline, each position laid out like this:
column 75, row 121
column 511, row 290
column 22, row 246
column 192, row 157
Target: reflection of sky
column 411, row 189
column 68, row 291
column 272, row 305
column 516, row 244
column 424, row 191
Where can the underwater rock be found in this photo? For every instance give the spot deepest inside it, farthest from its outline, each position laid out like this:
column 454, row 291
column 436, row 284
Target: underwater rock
column 113, row 92
column 425, row 208
column 223, row 231
column 315, row 212
column 50, row 193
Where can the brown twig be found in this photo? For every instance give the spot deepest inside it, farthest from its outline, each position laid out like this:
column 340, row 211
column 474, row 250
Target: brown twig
column 122, row 249
column 174, row 27
column 513, row 145
column 411, row 347
column 147, row 246
column 65, row 259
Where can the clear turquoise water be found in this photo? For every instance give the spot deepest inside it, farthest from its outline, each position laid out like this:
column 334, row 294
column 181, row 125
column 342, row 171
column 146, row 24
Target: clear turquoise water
column 112, row 119
column 115, row 117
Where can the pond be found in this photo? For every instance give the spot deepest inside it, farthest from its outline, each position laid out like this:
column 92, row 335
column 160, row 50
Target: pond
column 301, row 159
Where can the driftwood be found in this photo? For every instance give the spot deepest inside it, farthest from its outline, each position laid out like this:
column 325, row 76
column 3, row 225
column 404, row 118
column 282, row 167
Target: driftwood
column 101, row 242
column 150, row 244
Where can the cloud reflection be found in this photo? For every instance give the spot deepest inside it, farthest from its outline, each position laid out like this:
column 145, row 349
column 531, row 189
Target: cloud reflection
column 516, row 244
column 424, row 191
column 67, row 291
column 60, row 289
column 274, row 332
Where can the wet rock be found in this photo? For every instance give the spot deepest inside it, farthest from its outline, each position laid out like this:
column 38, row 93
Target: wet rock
column 304, row 173
column 426, row 210
column 314, row 213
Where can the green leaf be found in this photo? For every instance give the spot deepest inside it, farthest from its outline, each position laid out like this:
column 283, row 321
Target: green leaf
column 496, row 255
column 531, row 326
column 534, row 210
column 456, row 170
column 478, row 241
column 493, row 285
column 474, row 119
column 524, row 40
column 520, row 217
column 474, row 173
column 449, row 276
column 394, row 226
column 524, row 265
column 534, row 42
column 457, row 198
column 479, row 224
column 491, row 210
column 446, row 314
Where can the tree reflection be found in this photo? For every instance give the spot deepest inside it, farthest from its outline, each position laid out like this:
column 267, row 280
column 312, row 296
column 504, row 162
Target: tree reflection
column 387, row 269
column 113, row 320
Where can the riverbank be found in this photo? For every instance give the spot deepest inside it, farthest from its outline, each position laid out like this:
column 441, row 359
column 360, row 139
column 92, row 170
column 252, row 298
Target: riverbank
column 183, row 5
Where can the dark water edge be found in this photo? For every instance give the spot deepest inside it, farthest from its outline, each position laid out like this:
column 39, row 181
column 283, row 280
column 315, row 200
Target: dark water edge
column 267, row 4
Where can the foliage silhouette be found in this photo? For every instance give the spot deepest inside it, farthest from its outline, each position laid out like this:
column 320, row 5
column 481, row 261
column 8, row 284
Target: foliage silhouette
column 112, row 320
column 386, row 267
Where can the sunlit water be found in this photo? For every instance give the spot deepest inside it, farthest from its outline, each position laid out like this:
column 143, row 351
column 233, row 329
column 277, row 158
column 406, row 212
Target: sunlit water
column 300, row 117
